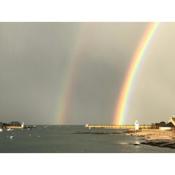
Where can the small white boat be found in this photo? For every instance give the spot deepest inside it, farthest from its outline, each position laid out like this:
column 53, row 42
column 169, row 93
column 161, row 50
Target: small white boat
column 136, row 143
column 11, row 137
column 9, row 129
column 1, row 129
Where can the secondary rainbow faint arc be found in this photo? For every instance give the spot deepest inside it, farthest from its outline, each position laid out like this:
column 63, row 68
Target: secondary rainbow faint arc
column 136, row 60
column 71, row 73
column 69, row 78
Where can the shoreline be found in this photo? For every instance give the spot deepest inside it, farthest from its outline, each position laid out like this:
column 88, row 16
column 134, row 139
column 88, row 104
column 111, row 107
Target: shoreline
column 155, row 137
column 153, row 134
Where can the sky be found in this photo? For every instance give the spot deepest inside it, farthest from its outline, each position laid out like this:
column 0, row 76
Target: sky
column 72, row 73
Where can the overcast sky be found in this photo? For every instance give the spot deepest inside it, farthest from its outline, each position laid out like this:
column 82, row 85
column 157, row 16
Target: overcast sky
column 36, row 60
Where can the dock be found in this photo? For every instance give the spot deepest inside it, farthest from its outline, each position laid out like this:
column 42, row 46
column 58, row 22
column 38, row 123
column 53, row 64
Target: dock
column 94, row 126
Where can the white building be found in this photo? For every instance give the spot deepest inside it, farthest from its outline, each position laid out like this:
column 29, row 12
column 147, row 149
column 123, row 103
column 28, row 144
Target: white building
column 136, row 124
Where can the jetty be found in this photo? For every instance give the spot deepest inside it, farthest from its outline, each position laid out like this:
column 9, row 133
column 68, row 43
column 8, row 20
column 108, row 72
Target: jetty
column 91, row 126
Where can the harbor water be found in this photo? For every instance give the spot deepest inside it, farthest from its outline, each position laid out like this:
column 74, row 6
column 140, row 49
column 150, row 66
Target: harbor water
column 73, row 139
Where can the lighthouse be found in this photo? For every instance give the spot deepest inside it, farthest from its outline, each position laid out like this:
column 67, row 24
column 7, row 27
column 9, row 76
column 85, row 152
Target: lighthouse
column 136, row 124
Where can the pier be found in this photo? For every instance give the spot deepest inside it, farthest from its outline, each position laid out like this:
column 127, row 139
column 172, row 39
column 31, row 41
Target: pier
column 91, row 126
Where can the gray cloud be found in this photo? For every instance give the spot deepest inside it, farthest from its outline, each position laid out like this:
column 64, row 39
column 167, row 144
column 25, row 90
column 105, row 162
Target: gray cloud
column 153, row 96
column 34, row 59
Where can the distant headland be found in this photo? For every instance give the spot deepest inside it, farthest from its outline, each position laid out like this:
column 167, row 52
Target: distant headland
column 14, row 125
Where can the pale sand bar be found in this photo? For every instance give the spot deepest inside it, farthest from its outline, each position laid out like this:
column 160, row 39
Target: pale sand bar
column 154, row 134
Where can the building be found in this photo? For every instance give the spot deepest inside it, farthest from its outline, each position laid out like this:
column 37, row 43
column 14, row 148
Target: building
column 13, row 125
column 172, row 120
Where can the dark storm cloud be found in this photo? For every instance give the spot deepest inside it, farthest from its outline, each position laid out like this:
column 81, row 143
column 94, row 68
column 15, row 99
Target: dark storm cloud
column 33, row 57
column 103, row 65
column 33, row 62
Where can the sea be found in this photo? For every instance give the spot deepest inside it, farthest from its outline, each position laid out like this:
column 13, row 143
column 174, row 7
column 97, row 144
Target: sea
column 73, row 139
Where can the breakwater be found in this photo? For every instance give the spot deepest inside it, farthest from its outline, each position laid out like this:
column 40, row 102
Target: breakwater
column 91, row 126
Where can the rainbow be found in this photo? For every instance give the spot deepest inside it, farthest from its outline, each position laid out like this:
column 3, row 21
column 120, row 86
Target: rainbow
column 134, row 66
column 69, row 81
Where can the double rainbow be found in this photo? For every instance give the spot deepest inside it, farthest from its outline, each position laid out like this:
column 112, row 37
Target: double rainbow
column 134, row 66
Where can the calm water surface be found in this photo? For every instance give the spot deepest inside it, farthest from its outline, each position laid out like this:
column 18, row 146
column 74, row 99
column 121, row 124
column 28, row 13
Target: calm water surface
column 73, row 139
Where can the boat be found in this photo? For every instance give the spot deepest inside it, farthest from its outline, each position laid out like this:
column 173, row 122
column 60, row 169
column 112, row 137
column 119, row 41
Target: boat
column 9, row 129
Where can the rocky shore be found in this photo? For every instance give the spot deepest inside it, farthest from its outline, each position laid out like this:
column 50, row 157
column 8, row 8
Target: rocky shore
column 156, row 137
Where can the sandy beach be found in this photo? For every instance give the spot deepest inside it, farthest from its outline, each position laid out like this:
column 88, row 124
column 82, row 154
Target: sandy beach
column 156, row 137
column 154, row 134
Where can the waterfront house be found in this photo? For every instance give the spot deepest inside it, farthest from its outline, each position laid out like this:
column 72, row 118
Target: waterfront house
column 13, row 125
column 172, row 120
